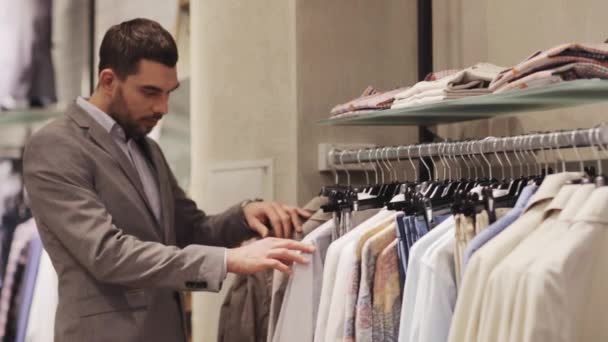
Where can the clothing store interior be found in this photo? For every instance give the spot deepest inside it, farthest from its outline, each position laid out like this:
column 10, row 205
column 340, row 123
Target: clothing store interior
column 451, row 155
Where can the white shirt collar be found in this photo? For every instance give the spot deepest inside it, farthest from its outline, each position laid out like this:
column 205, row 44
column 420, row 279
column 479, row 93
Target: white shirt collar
column 106, row 121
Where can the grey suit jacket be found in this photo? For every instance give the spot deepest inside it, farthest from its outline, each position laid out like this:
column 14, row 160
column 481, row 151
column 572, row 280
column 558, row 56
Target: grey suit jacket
column 119, row 269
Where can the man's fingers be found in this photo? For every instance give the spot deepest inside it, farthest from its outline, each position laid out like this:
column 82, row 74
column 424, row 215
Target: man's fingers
column 285, row 220
column 295, row 219
column 288, row 256
column 260, row 228
column 275, row 221
column 294, row 245
column 305, row 214
column 277, row 265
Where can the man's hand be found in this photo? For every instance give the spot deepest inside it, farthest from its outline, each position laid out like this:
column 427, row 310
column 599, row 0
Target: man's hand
column 264, row 254
column 282, row 218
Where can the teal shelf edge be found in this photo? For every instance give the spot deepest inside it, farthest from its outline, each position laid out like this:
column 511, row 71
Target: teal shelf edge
column 562, row 95
column 24, row 117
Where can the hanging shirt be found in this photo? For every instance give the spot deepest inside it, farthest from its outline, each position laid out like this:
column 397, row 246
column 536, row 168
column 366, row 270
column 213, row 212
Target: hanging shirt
column 364, row 327
column 280, row 279
column 498, row 303
column 441, row 291
column 387, row 296
column 344, row 279
column 401, row 247
column 494, row 229
column 351, row 299
column 466, row 229
column 330, row 269
column 467, row 313
column 565, row 290
column 528, row 281
column 424, row 285
column 409, row 299
column 302, row 295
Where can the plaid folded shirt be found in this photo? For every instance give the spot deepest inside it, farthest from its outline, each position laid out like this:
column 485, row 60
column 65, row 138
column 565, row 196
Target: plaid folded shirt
column 554, row 57
column 568, row 72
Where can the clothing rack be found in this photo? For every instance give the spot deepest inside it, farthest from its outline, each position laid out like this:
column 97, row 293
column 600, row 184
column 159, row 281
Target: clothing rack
column 597, row 136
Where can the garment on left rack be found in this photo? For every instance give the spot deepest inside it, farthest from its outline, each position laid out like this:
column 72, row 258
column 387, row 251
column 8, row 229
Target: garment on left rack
column 17, row 260
column 25, row 35
column 41, row 321
column 28, row 287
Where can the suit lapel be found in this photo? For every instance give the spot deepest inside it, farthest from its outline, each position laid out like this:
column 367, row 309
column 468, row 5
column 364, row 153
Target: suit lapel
column 164, row 189
column 104, row 140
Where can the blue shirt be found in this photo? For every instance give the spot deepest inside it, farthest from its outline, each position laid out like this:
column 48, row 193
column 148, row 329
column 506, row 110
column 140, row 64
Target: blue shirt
column 494, row 229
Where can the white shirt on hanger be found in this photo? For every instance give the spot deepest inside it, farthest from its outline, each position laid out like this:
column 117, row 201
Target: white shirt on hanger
column 412, row 278
column 303, row 291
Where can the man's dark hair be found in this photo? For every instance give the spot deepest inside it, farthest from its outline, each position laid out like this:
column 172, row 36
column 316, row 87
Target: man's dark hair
column 127, row 43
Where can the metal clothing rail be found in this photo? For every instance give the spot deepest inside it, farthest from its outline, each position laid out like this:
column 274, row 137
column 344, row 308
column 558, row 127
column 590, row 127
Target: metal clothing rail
column 530, row 142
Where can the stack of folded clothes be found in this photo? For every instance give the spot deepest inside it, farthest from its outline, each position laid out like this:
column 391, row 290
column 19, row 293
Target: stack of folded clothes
column 562, row 63
column 472, row 81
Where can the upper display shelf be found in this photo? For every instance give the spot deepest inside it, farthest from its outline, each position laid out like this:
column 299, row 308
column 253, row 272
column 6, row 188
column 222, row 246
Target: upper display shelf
column 562, row 95
column 27, row 116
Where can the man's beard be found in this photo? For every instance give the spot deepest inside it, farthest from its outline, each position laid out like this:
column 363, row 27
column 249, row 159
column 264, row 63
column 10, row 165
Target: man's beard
column 120, row 112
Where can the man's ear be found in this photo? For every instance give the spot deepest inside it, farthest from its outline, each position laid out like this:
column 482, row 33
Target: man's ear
column 107, row 81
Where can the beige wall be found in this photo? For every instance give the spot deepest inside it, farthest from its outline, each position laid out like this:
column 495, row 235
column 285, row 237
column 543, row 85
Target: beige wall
column 342, row 47
column 506, row 32
column 243, row 87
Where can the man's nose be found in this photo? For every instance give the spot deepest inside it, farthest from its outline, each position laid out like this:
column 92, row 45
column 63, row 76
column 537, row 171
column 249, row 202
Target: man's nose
column 162, row 106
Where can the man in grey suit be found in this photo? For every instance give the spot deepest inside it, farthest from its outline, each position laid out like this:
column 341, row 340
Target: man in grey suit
column 122, row 235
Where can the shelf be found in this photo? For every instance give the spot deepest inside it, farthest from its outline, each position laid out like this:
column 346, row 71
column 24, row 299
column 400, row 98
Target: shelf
column 562, row 95
column 28, row 116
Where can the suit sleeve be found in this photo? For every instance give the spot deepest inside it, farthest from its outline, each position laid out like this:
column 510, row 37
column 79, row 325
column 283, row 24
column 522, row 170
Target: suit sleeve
column 60, row 184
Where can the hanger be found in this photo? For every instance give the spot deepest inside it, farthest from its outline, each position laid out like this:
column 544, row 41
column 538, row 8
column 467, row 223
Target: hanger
column 403, row 186
column 516, row 184
column 594, row 137
column 375, row 190
column 409, row 157
column 363, row 168
column 585, row 179
column 425, row 186
column 559, row 153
